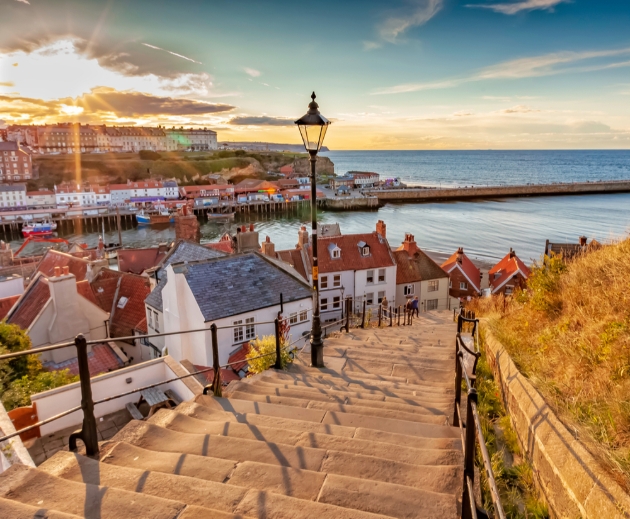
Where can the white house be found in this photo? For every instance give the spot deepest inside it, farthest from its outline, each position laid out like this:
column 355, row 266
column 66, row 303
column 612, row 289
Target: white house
column 41, row 199
column 13, row 196
column 240, row 294
column 143, row 190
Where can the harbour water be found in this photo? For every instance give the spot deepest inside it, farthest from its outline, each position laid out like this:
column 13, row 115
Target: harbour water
column 485, row 228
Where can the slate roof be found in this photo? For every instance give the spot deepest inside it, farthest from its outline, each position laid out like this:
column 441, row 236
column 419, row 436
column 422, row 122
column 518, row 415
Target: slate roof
column 180, row 252
column 239, row 284
column 136, row 261
column 54, row 258
column 351, row 259
column 418, row 267
column 472, row 273
column 509, row 266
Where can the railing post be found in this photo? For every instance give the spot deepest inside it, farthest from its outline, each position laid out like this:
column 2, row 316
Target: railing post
column 363, row 318
column 348, row 311
column 216, row 382
column 380, row 314
column 398, row 316
column 458, row 386
column 88, row 432
column 468, row 501
column 278, row 364
column 460, row 322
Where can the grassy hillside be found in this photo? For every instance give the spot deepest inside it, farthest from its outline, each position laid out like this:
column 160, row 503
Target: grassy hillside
column 118, row 167
column 569, row 332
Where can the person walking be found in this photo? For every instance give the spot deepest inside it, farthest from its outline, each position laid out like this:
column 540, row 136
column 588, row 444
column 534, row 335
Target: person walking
column 414, row 307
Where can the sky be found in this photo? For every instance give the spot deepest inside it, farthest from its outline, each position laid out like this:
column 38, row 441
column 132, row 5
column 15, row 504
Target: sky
column 400, row 74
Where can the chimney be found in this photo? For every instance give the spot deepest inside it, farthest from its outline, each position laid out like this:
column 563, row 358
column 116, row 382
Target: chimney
column 460, row 255
column 512, row 253
column 251, row 227
column 302, row 237
column 247, row 240
column 268, row 248
column 583, row 241
column 65, row 270
column 57, row 272
column 381, row 228
column 409, row 244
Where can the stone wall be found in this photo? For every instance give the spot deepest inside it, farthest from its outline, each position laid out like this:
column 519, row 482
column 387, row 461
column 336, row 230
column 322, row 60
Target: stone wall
column 351, row 203
column 574, row 484
column 501, row 191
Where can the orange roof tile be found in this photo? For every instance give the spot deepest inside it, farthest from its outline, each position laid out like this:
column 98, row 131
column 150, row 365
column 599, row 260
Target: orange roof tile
column 467, row 267
column 294, row 258
column 101, row 359
column 31, row 303
column 54, row 258
column 84, row 289
column 6, row 303
column 503, row 271
column 137, row 261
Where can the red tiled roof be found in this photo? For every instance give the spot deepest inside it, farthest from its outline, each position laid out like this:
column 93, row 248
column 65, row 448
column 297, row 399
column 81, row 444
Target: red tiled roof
column 472, row 273
column 351, row 259
column 6, row 303
column 294, row 258
column 287, row 169
column 54, row 258
column 137, row 261
column 34, row 193
column 253, row 184
column 33, row 300
column 227, row 375
column 102, row 359
column 223, row 245
column 193, row 191
column 239, row 356
column 84, row 289
column 109, row 287
column 142, row 326
column 416, row 266
column 507, row 268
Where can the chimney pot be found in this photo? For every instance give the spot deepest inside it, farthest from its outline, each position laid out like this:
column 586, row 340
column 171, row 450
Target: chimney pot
column 66, row 270
column 381, row 228
column 582, row 241
column 57, row 272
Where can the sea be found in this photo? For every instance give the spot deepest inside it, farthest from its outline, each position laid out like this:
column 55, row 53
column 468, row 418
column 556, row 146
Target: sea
column 486, row 229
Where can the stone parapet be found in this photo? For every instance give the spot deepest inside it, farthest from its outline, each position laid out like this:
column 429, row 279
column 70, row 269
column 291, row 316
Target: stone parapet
column 573, row 482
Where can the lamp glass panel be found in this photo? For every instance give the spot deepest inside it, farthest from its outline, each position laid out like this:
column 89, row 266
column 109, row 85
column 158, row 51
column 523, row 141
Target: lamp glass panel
column 322, row 134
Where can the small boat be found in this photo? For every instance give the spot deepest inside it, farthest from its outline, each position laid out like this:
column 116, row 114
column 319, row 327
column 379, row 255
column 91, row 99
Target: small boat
column 220, row 216
column 44, row 228
column 159, row 218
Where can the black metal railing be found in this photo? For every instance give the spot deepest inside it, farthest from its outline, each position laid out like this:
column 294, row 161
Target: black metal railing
column 466, row 360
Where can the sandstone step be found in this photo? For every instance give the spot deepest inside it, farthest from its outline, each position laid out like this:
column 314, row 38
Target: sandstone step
column 16, row 510
column 387, row 498
column 439, row 377
column 416, row 456
column 382, row 395
column 260, row 420
column 335, row 397
column 423, row 356
column 413, row 415
column 37, row 488
column 262, row 483
column 333, row 418
column 442, row 478
column 298, row 368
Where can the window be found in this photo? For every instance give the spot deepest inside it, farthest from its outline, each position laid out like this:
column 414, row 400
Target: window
column 293, row 318
column 337, row 281
column 432, row 304
column 336, row 253
column 324, row 303
column 250, row 328
column 369, row 298
column 463, row 285
column 381, row 295
column 365, row 251
column 238, row 331
column 408, row 290
column 450, row 283
column 156, row 318
column 303, row 315
column 434, row 285
column 323, row 282
column 370, row 276
column 150, row 319
column 381, row 275
column 336, row 302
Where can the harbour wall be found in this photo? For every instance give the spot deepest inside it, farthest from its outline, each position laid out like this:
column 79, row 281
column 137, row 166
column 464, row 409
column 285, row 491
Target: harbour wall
column 351, row 203
column 463, row 193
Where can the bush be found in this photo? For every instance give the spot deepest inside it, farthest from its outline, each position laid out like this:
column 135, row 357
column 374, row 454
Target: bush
column 149, row 155
column 20, row 391
column 266, row 346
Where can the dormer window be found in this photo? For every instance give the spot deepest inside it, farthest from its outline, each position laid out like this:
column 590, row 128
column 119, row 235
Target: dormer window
column 365, row 251
column 335, row 252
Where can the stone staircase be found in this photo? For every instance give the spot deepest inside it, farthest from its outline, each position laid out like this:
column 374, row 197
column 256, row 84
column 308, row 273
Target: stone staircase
column 366, row 437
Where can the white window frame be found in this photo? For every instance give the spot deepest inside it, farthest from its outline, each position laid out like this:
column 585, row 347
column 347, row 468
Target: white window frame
column 303, row 316
column 157, row 321
column 369, row 278
column 323, row 282
column 381, row 276
column 434, row 285
column 336, row 302
column 336, row 253
column 369, row 298
column 337, row 280
column 324, row 303
column 150, row 319
column 365, row 251
column 239, row 332
column 463, row 285
column 409, row 290
column 250, row 328
column 293, row 318
column 381, row 296
column 431, row 304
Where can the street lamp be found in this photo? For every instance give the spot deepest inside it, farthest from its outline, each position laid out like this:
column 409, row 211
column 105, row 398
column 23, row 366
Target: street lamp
column 313, row 128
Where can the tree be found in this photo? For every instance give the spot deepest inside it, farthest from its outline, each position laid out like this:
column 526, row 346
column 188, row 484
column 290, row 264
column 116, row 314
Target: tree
column 267, row 347
column 20, row 390
column 14, row 339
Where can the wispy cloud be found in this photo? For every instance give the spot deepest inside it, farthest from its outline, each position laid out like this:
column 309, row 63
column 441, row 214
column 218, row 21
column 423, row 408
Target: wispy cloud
column 251, row 72
column 172, row 53
column 23, row 2
column 535, row 66
column 262, row 120
column 414, row 14
column 517, row 7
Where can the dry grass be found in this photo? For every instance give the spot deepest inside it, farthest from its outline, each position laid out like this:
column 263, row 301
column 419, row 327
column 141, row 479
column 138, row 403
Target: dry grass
column 569, row 332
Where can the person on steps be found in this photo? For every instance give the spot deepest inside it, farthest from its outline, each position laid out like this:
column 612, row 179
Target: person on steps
column 414, row 307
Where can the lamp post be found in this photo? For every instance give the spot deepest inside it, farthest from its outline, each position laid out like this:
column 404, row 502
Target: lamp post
column 313, row 128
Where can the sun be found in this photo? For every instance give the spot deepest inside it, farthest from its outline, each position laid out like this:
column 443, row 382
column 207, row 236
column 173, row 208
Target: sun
column 71, row 110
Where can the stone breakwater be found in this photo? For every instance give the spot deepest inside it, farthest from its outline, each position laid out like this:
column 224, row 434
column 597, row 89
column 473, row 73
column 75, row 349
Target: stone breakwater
column 463, row 193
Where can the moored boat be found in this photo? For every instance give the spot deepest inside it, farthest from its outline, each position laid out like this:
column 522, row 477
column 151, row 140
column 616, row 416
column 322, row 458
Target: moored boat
column 159, row 218
column 44, row 228
column 220, row 216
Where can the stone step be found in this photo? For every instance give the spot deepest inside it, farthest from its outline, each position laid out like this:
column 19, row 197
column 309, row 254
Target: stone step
column 35, row 487
column 413, row 416
column 330, row 417
column 345, row 391
column 16, row 510
column 444, row 479
column 412, row 454
column 421, row 357
column 260, row 420
column 337, row 398
column 262, row 482
column 301, row 368
column 438, row 377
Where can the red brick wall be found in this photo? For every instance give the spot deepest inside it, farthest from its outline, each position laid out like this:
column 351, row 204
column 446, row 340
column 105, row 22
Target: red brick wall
column 456, row 277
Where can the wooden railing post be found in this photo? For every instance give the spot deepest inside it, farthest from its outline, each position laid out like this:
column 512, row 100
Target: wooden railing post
column 380, row 314
column 216, row 382
column 348, row 312
column 88, row 432
column 278, row 364
column 458, row 386
column 363, row 318
column 468, row 501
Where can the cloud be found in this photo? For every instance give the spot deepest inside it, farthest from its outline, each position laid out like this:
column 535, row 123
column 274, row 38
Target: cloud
column 519, row 109
column 6, row 84
column 23, row 2
column 251, row 71
column 534, row 66
column 414, row 14
column 172, row 53
column 263, row 120
column 517, row 7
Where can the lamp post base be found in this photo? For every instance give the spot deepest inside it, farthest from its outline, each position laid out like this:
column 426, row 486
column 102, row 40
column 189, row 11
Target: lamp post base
column 317, row 345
